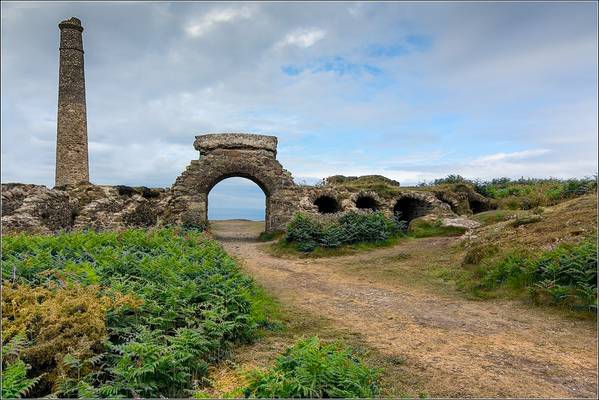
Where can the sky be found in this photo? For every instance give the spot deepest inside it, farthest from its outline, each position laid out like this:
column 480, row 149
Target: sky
column 412, row 91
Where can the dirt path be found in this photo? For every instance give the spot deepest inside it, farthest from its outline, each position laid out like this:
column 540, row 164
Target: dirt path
column 457, row 347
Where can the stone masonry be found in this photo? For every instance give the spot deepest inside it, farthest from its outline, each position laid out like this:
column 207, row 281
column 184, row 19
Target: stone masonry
column 227, row 155
column 71, row 139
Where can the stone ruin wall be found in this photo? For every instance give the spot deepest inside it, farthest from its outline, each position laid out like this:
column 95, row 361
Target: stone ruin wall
column 35, row 208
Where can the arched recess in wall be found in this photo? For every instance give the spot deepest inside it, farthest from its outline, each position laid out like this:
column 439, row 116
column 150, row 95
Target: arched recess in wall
column 477, row 206
column 409, row 208
column 327, row 204
column 365, row 202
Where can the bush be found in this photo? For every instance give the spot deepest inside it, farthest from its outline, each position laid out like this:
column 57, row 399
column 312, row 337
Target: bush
column 305, row 231
column 565, row 275
column 308, row 233
column 311, row 369
column 57, row 321
column 123, row 314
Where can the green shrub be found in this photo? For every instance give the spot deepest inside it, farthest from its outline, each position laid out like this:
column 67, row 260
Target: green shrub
column 367, row 227
column 304, row 231
column 311, row 369
column 308, row 233
column 565, row 275
column 130, row 314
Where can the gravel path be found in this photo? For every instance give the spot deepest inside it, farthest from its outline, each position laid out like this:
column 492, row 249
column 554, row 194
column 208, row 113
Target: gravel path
column 460, row 348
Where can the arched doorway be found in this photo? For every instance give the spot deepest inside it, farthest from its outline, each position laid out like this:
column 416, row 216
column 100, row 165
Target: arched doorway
column 237, row 209
column 225, row 156
column 409, row 208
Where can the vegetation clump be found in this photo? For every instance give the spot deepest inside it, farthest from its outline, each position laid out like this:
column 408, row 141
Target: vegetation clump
column 524, row 193
column 308, row 233
column 131, row 314
column 566, row 275
column 15, row 382
column 312, row 369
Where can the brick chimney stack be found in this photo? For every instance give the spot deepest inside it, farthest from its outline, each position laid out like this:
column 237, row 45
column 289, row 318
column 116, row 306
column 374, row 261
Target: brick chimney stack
column 72, row 165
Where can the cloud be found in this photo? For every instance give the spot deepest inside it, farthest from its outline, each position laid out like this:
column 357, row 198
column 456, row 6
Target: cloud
column 302, row 38
column 517, row 155
column 216, row 17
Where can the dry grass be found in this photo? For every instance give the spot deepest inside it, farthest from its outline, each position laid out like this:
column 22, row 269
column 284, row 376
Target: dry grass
column 570, row 221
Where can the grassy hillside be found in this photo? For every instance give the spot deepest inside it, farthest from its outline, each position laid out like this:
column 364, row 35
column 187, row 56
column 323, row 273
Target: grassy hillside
column 549, row 255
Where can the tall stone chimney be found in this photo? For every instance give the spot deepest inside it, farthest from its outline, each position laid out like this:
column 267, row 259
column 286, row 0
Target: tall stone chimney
column 72, row 164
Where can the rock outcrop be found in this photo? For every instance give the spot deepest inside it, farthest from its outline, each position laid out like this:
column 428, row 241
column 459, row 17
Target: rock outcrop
column 37, row 209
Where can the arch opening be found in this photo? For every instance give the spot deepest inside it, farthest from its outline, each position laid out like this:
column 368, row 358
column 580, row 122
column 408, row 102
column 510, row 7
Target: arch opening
column 366, row 203
column 477, row 206
column 409, row 208
column 237, row 208
column 327, row 204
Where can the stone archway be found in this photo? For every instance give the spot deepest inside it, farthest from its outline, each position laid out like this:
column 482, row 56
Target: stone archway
column 229, row 155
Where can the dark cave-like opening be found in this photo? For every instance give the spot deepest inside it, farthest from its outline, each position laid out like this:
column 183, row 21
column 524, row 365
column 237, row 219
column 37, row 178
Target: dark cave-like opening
column 366, row 203
column 478, row 206
column 327, row 204
column 408, row 208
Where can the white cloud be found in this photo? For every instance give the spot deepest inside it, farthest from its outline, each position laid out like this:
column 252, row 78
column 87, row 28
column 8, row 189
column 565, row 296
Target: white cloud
column 517, row 155
column 215, row 17
column 302, row 38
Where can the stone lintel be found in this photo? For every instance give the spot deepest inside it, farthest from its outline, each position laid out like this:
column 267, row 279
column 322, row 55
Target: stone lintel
column 235, row 141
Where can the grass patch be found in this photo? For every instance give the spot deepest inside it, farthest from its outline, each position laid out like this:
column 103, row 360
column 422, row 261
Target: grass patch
column 421, row 228
column 476, row 254
column 265, row 310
